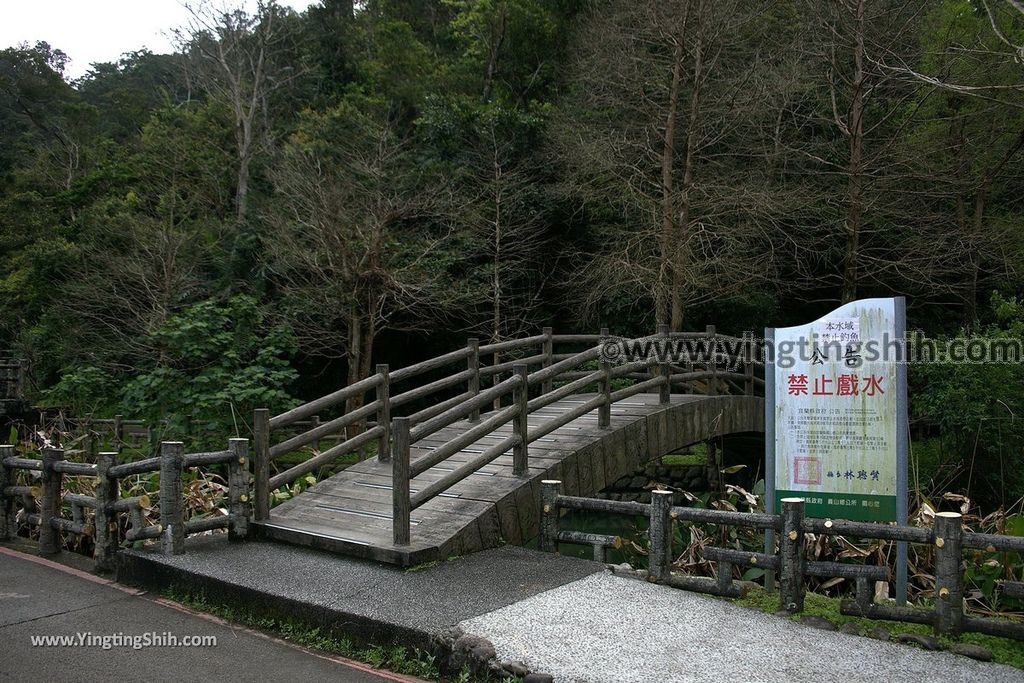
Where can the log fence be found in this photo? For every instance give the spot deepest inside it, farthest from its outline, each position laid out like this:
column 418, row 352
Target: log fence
column 947, row 537
column 107, row 505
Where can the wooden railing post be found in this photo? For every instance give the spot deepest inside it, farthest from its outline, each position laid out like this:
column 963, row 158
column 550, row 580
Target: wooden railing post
column 6, row 502
column 791, row 560
column 384, row 413
column 108, row 490
column 664, row 367
column 748, row 364
column 713, row 362
column 239, row 507
column 400, row 481
column 949, row 587
column 473, row 383
column 549, row 357
column 261, row 463
column 550, row 489
column 521, row 426
column 314, row 422
column 52, row 480
column 172, row 503
column 604, row 411
column 660, row 554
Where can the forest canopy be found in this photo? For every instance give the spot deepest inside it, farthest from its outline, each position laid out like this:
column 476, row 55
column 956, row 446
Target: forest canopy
column 289, row 198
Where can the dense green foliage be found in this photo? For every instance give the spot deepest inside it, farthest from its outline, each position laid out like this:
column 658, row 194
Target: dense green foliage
column 183, row 236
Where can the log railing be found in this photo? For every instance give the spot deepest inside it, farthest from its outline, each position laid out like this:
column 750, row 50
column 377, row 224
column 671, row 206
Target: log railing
column 525, row 375
column 107, row 502
column 947, row 536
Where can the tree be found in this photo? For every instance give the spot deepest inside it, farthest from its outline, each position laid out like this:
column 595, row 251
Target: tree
column 661, row 96
column 970, row 141
column 239, row 59
column 353, row 257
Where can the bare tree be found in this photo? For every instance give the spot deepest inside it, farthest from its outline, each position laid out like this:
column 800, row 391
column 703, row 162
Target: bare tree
column 240, row 59
column 658, row 144
column 353, row 254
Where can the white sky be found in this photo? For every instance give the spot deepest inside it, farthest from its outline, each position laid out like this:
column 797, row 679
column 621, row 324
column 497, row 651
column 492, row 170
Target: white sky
column 99, row 30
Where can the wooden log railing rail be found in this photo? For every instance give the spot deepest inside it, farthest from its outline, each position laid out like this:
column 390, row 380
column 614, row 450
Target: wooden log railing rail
column 947, row 536
column 107, row 504
column 519, row 368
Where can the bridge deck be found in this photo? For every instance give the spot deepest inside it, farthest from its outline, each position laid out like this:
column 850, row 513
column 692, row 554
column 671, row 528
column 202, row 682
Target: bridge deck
column 351, row 511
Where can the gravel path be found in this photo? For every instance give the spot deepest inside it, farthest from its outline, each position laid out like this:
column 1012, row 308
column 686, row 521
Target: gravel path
column 615, row 629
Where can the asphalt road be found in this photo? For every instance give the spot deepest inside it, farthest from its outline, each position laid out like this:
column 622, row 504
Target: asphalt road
column 39, row 598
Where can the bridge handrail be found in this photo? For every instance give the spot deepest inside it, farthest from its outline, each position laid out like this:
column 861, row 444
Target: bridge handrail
column 464, row 409
column 319, row 405
column 543, row 370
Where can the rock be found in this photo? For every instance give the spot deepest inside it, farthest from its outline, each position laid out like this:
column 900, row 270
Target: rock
column 445, row 640
column 539, row 678
column 638, row 483
column 927, row 642
column 515, row 668
column 817, row 622
column 472, row 651
column 783, row 613
column 982, row 654
column 850, row 628
column 879, row 633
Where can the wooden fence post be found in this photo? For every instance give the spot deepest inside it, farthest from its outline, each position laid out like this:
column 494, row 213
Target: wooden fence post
column 521, row 425
column 791, row 561
column 660, row 554
column 239, row 507
column 172, row 503
column 384, row 413
column 549, row 357
column 49, row 537
column 6, row 502
column 107, row 493
column 473, row 383
column 118, row 433
column 550, row 489
column 261, row 463
column 712, row 349
column 400, row 481
column 949, row 588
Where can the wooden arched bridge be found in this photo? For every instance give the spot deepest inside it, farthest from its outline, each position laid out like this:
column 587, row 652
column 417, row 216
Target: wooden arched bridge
column 459, row 465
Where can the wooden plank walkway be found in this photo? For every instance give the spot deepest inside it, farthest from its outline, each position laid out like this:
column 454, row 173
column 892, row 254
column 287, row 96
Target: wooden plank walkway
column 351, row 511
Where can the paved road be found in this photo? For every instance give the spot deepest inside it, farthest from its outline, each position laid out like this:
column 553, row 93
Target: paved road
column 39, row 598
column 606, row 628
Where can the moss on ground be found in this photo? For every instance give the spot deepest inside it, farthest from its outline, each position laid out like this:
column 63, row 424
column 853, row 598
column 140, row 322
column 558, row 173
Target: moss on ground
column 1004, row 650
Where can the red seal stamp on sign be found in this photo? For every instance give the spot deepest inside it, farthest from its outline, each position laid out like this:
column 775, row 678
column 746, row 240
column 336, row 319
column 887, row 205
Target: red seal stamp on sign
column 806, row 470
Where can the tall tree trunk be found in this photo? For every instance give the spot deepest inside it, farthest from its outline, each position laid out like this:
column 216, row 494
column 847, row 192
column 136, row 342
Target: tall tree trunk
column 665, row 300
column 243, row 135
column 492, row 58
column 855, row 207
column 681, row 258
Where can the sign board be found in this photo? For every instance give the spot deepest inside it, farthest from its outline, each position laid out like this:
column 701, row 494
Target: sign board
column 837, row 413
